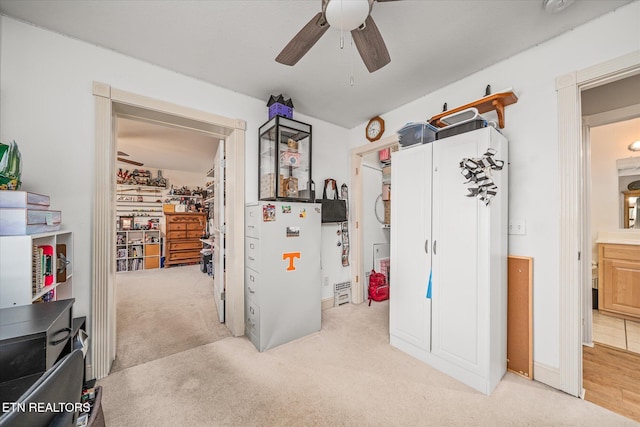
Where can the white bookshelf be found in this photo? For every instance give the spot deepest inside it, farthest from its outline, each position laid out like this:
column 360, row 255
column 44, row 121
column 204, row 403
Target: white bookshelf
column 18, row 283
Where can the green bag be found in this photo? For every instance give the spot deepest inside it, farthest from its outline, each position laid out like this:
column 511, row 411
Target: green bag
column 10, row 166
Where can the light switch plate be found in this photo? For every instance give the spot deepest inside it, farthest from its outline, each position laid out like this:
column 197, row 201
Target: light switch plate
column 517, row 227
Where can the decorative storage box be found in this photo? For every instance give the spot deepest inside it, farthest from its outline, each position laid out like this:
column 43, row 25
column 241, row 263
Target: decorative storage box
column 17, row 221
column 23, row 199
column 416, row 133
column 278, row 106
column 285, row 150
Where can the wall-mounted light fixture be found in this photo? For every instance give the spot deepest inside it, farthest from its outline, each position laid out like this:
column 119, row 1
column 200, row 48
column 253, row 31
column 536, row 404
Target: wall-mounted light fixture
column 634, row 146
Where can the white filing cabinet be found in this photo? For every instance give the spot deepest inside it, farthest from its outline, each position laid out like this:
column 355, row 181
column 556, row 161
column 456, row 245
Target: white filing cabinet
column 458, row 246
column 282, row 283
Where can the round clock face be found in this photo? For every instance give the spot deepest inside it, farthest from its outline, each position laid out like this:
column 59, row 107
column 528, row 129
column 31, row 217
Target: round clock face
column 375, row 128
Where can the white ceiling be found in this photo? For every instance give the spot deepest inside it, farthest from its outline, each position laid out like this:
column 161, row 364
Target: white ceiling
column 164, row 147
column 233, row 44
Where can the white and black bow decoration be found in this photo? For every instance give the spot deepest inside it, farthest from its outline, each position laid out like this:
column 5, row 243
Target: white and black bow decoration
column 478, row 171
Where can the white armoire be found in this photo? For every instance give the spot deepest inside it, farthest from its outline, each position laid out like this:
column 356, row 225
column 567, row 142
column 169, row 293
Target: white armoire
column 448, row 294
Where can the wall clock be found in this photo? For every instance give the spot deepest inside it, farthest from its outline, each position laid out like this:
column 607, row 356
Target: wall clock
column 375, row 129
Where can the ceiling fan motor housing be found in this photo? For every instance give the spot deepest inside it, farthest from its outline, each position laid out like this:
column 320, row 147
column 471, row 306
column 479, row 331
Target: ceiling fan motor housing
column 347, row 15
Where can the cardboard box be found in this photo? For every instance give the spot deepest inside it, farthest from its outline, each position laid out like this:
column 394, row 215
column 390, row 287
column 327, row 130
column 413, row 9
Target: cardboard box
column 168, row 207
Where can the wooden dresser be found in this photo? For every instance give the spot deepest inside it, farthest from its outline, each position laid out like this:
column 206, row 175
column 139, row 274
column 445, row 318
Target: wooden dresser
column 183, row 234
column 619, row 280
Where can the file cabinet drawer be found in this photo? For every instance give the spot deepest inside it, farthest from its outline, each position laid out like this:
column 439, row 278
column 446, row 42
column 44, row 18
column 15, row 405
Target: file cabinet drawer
column 252, row 285
column 251, row 253
column 251, row 222
column 252, row 323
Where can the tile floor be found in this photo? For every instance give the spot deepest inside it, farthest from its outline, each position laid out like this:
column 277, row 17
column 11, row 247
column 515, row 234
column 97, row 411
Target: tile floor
column 615, row 332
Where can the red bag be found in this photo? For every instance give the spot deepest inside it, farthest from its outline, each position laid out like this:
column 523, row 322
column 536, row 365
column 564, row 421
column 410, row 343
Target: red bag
column 378, row 288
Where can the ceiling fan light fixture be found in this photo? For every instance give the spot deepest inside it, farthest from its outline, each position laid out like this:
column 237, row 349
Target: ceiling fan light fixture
column 347, row 15
column 634, row 146
column 555, row 6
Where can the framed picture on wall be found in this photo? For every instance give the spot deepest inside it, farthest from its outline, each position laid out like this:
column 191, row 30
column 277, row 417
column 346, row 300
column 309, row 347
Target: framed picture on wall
column 126, row 222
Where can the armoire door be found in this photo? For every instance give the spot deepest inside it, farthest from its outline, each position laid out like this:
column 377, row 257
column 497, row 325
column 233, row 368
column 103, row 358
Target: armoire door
column 457, row 228
column 409, row 308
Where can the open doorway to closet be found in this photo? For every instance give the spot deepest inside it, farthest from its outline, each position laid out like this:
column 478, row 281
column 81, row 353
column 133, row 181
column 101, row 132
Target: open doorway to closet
column 367, row 180
column 111, row 103
column 165, row 228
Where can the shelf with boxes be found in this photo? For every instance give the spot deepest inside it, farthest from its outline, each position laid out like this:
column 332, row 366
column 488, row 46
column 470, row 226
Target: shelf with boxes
column 138, row 250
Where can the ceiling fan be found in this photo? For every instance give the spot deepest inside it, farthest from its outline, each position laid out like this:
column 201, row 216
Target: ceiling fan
column 348, row 15
column 122, row 159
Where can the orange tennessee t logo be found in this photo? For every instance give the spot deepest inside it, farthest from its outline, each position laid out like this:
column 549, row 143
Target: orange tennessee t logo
column 291, row 256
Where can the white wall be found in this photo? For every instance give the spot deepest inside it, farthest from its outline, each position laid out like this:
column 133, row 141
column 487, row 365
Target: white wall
column 48, row 108
column 608, row 144
column 532, row 130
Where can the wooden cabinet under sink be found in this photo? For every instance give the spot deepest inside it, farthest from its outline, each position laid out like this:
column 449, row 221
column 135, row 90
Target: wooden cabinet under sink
column 619, row 280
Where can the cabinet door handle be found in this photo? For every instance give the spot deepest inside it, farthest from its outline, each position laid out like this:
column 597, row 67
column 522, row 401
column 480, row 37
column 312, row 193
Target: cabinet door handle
column 251, row 278
column 61, row 340
column 434, row 247
column 426, row 246
column 252, row 246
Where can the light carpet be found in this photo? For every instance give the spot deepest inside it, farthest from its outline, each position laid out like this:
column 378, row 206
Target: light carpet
column 164, row 311
column 345, row 375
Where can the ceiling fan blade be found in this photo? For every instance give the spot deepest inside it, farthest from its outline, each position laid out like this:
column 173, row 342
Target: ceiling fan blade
column 371, row 46
column 122, row 153
column 304, row 40
column 120, row 159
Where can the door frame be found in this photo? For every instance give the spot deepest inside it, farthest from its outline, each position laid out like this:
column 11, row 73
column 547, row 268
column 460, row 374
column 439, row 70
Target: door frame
column 109, row 102
column 573, row 218
column 356, row 210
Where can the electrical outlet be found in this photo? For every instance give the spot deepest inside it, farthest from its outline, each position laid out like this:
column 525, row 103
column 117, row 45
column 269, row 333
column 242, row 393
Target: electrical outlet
column 517, row 227
column 325, row 280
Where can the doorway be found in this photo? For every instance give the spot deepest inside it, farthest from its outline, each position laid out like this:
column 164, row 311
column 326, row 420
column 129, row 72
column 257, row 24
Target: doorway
column 163, row 168
column 358, row 162
column 108, row 103
column 574, row 272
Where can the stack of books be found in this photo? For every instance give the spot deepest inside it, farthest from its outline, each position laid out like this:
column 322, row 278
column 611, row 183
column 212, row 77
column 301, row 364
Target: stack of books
column 22, row 212
column 42, row 268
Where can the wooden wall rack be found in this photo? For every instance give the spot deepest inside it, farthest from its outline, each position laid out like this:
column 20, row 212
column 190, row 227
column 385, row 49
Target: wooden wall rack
column 496, row 102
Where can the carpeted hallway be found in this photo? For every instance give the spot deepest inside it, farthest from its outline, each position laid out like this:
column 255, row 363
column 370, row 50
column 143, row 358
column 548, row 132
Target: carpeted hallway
column 162, row 312
column 347, row 374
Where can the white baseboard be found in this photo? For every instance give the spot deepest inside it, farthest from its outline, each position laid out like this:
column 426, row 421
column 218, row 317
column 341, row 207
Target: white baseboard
column 546, row 375
column 327, row 303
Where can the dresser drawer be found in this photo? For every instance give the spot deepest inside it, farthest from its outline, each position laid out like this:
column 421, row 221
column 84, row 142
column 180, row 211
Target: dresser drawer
column 252, row 253
column 176, row 235
column 184, row 255
column 194, row 234
column 176, row 226
column 185, row 245
column 252, row 285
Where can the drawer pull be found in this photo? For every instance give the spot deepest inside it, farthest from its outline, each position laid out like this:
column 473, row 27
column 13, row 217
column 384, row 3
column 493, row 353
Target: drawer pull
column 61, row 340
column 251, row 310
column 251, row 226
column 252, row 246
column 252, row 278
column 252, row 259
column 251, row 291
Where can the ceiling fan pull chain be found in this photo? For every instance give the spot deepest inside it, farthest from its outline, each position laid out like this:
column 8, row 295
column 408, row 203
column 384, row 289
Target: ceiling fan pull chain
column 351, row 79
